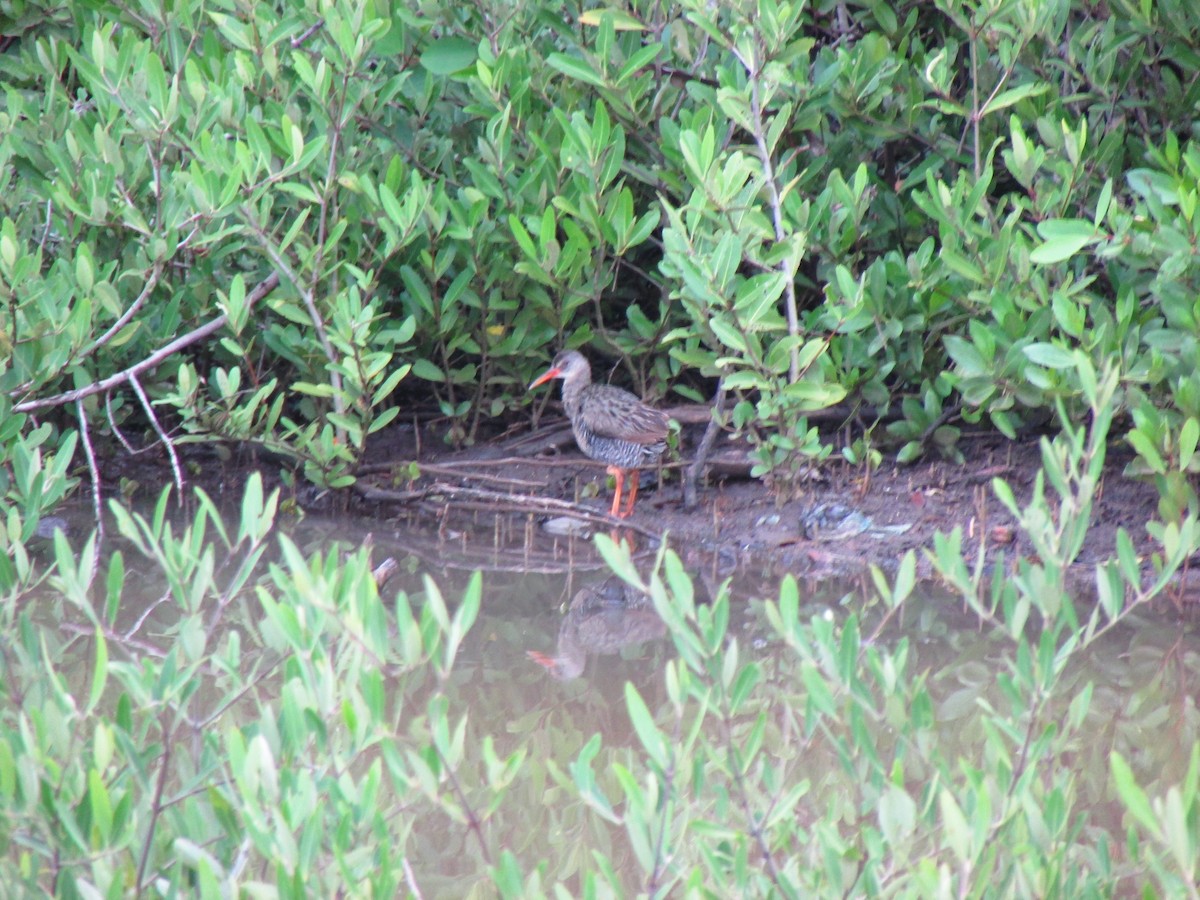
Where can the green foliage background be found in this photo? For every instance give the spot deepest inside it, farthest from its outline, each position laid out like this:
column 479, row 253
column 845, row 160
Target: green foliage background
column 920, row 208
column 285, row 224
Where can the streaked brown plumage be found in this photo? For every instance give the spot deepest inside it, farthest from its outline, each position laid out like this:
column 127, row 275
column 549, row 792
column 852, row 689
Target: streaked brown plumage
column 611, row 425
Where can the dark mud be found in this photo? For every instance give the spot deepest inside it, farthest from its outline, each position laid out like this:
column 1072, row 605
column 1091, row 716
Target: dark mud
column 843, row 520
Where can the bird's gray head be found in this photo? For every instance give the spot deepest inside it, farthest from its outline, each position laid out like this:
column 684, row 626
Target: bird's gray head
column 568, row 364
column 570, row 361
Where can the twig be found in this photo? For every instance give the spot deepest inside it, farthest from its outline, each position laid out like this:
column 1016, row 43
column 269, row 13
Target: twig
column 151, row 281
column 668, row 791
column 265, row 287
column 695, row 472
column 386, row 495
column 566, row 462
column 232, row 700
column 384, row 572
column 474, row 824
column 144, row 648
column 307, row 33
column 85, row 436
column 162, row 435
column 310, row 304
column 410, row 879
column 514, row 502
column 947, row 414
column 112, row 423
column 448, row 466
column 46, row 230
column 753, row 822
column 451, row 471
column 156, row 808
column 787, row 265
column 489, row 559
column 141, row 620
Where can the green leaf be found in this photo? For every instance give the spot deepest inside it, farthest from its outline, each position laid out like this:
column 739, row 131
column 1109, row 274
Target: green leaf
column 819, row 694
column 101, row 806
column 966, row 356
column 789, row 605
column 1050, row 355
column 1104, row 202
column 424, row 369
column 1063, row 239
column 1134, row 798
column 84, row 268
column 99, row 672
column 448, row 55
column 745, row 684
column 252, row 508
column 909, row 452
column 575, row 68
column 960, row 265
column 954, row 825
column 1153, row 185
column 1189, row 435
column 617, row 557
column 897, row 815
column 728, row 334
column 464, row 618
column 1110, row 590
column 1053, row 229
column 809, row 395
column 621, row 20
column 1013, row 96
column 643, row 723
column 1147, row 451
column 906, row 579
column 585, row 781
column 114, row 582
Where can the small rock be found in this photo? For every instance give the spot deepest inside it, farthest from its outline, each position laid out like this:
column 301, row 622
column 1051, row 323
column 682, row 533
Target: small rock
column 567, row 525
column 829, row 521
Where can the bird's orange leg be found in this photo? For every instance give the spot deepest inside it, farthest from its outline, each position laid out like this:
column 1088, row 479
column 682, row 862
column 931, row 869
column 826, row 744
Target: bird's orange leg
column 634, row 478
column 619, row 475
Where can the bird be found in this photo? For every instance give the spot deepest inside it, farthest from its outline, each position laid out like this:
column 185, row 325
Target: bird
column 610, row 424
column 603, row 618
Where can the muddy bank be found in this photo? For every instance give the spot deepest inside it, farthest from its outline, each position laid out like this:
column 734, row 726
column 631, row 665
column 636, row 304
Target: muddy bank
column 844, row 520
column 526, row 489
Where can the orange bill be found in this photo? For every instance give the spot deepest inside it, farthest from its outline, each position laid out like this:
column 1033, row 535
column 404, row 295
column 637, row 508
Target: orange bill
column 543, row 378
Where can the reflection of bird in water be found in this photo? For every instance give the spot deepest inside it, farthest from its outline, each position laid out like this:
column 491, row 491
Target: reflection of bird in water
column 611, row 425
column 602, row 619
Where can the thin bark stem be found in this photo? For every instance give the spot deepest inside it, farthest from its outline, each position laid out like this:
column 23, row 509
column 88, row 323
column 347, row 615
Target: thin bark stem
column 265, row 287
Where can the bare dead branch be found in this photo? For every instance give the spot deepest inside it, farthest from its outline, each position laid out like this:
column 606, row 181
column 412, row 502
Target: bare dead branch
column 265, row 287
column 695, row 472
column 151, row 282
column 141, row 620
column 162, row 435
column 112, row 423
column 497, row 499
column 452, row 471
column 156, row 808
column 307, row 33
column 85, row 436
column 411, row 880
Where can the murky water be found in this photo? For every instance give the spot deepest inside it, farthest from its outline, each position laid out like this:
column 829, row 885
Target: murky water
column 546, row 665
